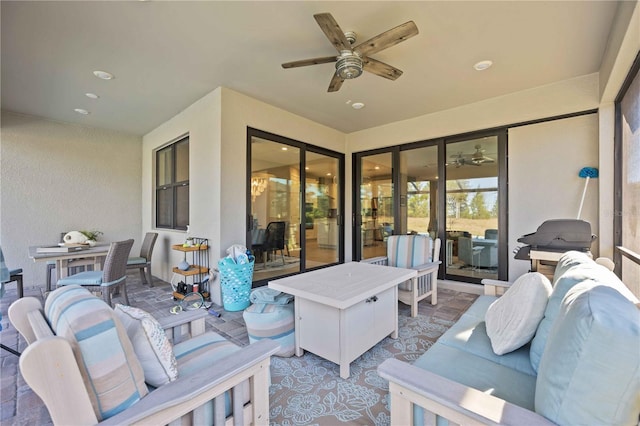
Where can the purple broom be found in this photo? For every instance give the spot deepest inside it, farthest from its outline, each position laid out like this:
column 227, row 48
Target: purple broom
column 588, row 173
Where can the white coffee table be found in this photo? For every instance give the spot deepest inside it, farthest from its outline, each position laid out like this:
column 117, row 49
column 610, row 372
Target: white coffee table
column 342, row 311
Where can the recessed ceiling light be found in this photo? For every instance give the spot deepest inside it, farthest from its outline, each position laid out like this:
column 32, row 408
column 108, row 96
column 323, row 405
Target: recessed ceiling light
column 81, row 111
column 482, row 65
column 357, row 105
column 284, row 148
column 328, row 174
column 103, row 75
column 377, row 167
column 91, row 95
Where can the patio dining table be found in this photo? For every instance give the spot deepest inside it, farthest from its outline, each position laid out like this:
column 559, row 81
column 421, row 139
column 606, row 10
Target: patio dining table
column 85, row 256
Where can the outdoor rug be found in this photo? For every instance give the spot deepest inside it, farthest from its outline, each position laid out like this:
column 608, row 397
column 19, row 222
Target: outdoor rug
column 308, row 390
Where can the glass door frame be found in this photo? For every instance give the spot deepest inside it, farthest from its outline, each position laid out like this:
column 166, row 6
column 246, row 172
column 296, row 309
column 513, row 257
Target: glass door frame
column 503, row 202
column 503, row 213
column 303, row 149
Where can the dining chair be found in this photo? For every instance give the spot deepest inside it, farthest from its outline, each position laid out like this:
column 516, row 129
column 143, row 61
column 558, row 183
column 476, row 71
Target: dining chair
column 274, row 240
column 143, row 262
column 112, row 277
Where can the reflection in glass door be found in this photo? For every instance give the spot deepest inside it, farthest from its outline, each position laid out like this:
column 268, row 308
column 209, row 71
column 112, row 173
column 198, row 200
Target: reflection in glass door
column 275, row 208
column 376, row 218
column 419, row 194
column 322, row 204
column 472, row 210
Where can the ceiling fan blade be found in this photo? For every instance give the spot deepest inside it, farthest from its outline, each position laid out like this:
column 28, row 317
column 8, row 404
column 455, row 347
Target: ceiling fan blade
column 313, row 61
column 387, row 39
column 332, row 30
column 336, row 83
column 380, row 68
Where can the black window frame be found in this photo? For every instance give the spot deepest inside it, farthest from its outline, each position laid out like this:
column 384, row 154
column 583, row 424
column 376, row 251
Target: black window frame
column 173, row 186
column 618, row 185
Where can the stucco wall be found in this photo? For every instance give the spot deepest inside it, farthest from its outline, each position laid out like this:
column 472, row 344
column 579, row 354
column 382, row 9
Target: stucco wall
column 58, row 177
column 217, row 127
column 544, row 161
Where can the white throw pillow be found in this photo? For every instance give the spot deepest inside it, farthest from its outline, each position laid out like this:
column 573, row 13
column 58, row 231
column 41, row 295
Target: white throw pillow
column 512, row 320
column 152, row 347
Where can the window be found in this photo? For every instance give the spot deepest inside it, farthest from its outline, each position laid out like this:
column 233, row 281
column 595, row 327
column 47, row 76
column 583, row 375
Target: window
column 172, row 185
column 627, row 182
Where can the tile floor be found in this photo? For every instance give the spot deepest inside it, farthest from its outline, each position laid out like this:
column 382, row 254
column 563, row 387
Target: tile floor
column 20, row 406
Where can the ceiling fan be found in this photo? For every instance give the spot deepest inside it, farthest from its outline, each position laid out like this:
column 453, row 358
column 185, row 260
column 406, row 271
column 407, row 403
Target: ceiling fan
column 476, row 159
column 351, row 61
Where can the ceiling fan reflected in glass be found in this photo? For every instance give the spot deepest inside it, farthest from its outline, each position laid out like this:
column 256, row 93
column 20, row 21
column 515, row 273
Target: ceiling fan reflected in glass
column 351, row 62
column 476, row 159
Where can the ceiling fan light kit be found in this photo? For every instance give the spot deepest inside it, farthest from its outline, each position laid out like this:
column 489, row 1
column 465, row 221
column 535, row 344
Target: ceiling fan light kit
column 349, row 65
column 351, row 62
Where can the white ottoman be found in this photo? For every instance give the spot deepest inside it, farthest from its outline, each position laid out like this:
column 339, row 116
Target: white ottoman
column 275, row 322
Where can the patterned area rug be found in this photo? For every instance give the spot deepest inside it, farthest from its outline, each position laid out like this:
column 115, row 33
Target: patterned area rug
column 308, row 390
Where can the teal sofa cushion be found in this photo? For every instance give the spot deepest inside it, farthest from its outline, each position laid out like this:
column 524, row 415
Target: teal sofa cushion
column 480, row 373
column 590, row 370
column 469, row 334
column 573, row 268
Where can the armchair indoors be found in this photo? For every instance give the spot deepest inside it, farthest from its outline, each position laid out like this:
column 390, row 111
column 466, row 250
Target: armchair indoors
column 418, row 252
column 80, row 350
column 143, row 262
column 113, row 276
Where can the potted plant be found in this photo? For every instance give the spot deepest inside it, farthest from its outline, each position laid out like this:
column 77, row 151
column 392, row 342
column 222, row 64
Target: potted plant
column 92, row 236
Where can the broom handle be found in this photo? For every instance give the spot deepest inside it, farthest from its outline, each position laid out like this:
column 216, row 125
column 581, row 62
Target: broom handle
column 584, row 192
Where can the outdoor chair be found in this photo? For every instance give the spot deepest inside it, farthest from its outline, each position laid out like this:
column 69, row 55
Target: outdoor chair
column 417, row 252
column 112, row 277
column 91, row 364
column 143, row 262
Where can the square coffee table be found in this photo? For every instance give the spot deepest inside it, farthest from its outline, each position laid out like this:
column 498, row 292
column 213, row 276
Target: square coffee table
column 342, row 311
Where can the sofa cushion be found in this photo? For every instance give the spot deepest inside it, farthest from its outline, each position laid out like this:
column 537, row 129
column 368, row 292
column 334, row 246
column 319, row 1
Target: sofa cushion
column 112, row 374
column 573, row 268
column 479, row 373
column 590, row 369
column 512, row 320
column 469, row 334
column 151, row 344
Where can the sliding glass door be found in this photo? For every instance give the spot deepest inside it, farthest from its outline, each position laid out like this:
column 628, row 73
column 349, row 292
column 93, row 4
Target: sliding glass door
column 453, row 189
column 295, row 200
column 472, row 207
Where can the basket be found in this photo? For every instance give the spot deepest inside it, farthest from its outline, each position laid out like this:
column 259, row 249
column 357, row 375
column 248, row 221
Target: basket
column 235, row 283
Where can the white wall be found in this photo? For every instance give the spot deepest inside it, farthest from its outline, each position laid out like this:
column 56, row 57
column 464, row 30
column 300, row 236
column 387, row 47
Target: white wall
column 59, row 177
column 569, row 96
column 544, row 161
column 201, row 121
column 239, row 112
column 217, row 127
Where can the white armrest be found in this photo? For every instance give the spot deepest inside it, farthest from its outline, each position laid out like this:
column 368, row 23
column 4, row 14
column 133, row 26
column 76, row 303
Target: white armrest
column 177, row 398
column 427, row 267
column 184, row 325
column 380, row 260
column 491, row 287
column 443, row 397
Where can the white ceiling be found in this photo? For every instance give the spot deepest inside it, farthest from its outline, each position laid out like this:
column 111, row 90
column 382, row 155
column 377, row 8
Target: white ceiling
column 166, row 55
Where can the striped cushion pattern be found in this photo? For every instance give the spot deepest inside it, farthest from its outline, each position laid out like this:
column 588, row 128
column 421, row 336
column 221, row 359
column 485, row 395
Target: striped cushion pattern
column 200, row 352
column 112, row 374
column 275, row 322
column 407, row 251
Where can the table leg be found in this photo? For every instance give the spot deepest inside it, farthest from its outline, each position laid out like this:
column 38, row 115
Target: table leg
column 296, row 311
